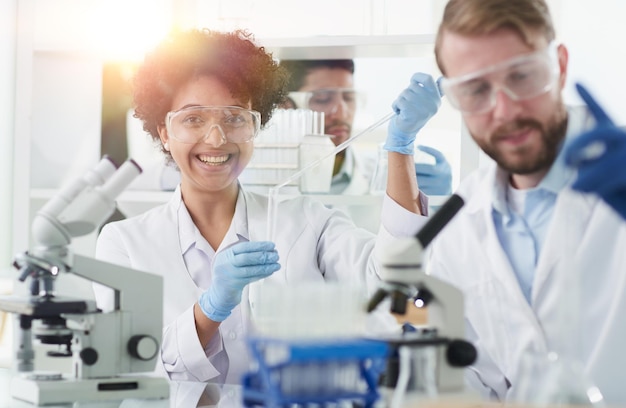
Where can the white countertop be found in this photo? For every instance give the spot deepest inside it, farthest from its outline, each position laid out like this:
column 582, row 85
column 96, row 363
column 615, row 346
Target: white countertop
column 182, row 395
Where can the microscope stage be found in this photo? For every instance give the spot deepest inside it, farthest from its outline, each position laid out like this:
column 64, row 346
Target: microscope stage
column 38, row 307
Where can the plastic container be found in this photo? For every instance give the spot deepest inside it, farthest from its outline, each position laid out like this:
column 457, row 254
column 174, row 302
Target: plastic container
column 308, row 310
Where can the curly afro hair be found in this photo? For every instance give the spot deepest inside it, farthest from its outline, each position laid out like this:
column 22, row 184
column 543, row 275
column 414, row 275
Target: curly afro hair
column 247, row 70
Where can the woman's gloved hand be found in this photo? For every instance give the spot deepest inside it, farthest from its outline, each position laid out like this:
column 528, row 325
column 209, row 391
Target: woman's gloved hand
column 233, row 269
column 600, row 156
column 434, row 179
column 413, row 107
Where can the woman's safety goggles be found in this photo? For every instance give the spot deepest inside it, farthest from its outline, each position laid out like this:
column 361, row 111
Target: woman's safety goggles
column 193, row 124
column 519, row 78
column 327, row 100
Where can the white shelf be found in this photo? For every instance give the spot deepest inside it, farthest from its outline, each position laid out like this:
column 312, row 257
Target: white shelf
column 133, row 202
column 328, row 47
column 318, row 47
column 152, row 197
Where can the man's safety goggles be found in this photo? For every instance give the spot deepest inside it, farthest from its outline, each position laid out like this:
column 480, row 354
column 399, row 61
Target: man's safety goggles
column 519, row 78
column 193, row 124
column 327, row 100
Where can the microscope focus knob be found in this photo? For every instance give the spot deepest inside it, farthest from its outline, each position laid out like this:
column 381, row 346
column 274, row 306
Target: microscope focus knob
column 461, row 353
column 143, row 347
column 89, row 356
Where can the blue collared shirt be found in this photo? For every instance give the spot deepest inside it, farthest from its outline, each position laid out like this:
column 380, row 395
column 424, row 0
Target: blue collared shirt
column 522, row 217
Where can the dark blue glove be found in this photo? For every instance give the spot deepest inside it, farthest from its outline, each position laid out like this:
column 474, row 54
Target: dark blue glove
column 233, row 269
column 434, row 179
column 413, row 107
column 600, row 156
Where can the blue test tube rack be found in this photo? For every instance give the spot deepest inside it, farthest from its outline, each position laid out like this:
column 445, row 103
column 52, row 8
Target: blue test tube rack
column 320, row 372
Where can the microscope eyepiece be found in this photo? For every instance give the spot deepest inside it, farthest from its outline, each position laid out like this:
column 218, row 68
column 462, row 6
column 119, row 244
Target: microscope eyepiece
column 439, row 220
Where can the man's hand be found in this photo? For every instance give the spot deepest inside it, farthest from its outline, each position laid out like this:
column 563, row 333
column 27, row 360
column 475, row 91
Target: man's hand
column 434, row 179
column 600, row 156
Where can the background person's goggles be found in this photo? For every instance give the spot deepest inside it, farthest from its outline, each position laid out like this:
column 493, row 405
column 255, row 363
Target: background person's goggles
column 327, row 100
column 520, row 78
column 193, row 124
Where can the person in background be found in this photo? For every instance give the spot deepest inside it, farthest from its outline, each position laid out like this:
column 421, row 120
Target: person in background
column 203, row 96
column 328, row 86
column 541, row 264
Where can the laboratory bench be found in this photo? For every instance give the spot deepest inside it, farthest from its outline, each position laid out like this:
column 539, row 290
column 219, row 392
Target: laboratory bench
column 182, row 395
column 187, row 394
column 196, row 394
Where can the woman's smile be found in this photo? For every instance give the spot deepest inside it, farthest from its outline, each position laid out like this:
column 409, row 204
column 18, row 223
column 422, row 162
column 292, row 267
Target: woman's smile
column 214, row 160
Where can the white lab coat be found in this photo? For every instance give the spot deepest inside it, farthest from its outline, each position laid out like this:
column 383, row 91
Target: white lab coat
column 585, row 239
column 314, row 244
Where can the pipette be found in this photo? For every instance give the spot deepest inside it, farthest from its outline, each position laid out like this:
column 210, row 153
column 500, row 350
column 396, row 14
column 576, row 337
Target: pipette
column 273, row 192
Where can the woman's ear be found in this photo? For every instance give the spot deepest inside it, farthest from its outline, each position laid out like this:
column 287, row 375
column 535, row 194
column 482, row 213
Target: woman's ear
column 164, row 137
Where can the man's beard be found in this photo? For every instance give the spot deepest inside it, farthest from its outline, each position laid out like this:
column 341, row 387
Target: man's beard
column 551, row 137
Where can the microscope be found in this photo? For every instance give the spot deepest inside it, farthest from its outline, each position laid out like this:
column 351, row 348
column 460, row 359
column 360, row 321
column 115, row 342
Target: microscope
column 106, row 348
column 427, row 360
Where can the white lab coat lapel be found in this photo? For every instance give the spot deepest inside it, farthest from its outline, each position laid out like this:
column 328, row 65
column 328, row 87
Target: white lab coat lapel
column 182, row 282
column 556, row 252
column 490, row 291
column 560, row 264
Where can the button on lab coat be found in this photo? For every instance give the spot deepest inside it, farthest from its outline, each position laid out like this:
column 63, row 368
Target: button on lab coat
column 585, row 242
column 314, row 243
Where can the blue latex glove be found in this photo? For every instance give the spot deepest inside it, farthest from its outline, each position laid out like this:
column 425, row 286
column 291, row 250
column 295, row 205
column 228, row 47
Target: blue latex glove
column 600, row 156
column 434, row 179
column 413, row 107
column 233, row 269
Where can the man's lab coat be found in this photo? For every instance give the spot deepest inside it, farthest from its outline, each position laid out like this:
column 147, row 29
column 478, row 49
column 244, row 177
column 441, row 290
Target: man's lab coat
column 314, row 243
column 360, row 169
column 585, row 251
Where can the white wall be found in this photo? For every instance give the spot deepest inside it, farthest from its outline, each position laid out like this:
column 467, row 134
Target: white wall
column 594, row 33
column 8, row 14
column 8, row 36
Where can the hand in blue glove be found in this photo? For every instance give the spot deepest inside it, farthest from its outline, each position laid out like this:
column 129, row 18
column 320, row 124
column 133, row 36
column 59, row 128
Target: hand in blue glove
column 434, row 179
column 600, row 155
column 233, row 269
column 413, row 107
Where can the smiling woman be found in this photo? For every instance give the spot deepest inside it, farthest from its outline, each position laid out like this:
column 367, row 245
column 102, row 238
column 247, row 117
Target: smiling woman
column 203, row 96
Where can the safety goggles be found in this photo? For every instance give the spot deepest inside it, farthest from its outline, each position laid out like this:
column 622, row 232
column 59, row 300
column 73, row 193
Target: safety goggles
column 193, row 124
column 327, row 100
column 519, row 78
